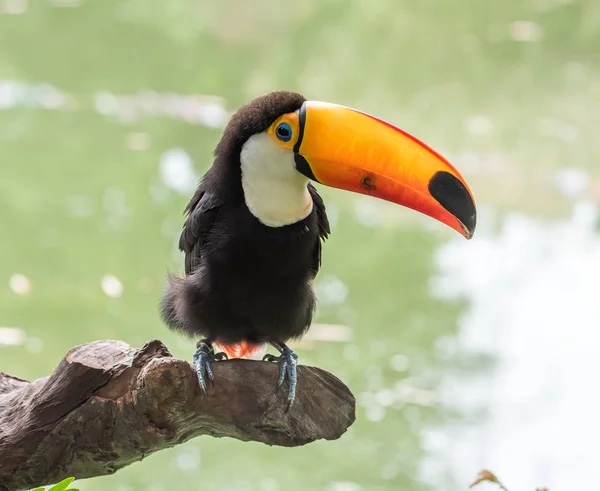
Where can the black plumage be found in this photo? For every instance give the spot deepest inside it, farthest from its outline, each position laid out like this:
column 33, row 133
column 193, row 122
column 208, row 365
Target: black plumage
column 244, row 281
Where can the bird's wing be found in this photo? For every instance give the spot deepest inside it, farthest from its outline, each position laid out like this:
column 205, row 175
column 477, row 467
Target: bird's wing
column 201, row 212
column 323, row 223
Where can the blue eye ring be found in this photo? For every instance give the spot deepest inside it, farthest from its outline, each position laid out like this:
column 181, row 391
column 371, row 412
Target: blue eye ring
column 284, row 132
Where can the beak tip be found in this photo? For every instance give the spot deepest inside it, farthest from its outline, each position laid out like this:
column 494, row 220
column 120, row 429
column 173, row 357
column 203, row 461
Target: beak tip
column 452, row 194
column 469, row 228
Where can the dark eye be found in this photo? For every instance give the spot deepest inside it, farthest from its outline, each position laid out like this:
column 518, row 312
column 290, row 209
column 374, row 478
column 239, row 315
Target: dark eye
column 284, row 132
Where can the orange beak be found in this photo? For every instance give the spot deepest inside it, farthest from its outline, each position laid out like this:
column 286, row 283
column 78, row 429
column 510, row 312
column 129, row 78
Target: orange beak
column 347, row 149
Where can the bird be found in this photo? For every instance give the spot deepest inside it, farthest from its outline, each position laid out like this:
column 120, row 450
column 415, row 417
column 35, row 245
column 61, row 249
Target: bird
column 254, row 228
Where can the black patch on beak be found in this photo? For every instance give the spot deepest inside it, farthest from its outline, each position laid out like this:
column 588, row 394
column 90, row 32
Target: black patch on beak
column 453, row 195
column 303, row 167
column 301, row 123
column 301, row 163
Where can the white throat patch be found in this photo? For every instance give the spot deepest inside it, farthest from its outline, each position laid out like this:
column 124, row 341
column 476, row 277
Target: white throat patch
column 275, row 192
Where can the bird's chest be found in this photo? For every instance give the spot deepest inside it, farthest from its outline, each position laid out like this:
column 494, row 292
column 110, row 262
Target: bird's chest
column 256, row 249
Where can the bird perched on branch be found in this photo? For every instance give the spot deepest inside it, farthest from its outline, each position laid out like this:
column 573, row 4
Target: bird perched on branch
column 254, row 227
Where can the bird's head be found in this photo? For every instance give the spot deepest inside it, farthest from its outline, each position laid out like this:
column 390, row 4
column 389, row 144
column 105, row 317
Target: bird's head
column 282, row 140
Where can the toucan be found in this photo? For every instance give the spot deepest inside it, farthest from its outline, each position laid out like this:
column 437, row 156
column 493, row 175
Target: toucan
column 254, row 227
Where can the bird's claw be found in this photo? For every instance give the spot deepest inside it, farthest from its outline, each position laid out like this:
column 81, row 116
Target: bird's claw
column 287, row 366
column 203, row 359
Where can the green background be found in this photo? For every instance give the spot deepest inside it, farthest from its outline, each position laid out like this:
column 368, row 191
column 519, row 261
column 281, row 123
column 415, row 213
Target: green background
column 509, row 91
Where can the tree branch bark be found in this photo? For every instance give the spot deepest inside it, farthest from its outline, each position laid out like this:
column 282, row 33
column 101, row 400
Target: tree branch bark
column 108, row 405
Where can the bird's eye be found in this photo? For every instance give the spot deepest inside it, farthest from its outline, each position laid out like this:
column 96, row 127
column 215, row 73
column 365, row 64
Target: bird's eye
column 284, row 132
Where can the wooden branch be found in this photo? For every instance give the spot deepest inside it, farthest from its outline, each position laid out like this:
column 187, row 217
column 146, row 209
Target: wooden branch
column 108, row 405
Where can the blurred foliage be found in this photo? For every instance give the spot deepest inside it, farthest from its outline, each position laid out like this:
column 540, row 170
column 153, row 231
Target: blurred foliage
column 487, row 476
column 61, row 486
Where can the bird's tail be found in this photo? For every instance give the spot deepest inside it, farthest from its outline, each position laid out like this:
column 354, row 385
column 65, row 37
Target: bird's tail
column 248, row 351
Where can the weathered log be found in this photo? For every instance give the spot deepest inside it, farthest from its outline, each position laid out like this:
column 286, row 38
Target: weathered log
column 108, row 405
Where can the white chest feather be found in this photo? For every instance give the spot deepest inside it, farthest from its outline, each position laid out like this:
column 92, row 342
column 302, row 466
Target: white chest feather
column 275, row 192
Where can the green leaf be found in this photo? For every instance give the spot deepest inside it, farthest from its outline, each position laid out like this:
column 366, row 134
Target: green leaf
column 61, row 486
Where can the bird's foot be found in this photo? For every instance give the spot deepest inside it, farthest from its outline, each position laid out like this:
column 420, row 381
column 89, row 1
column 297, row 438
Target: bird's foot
column 287, row 366
column 203, row 360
